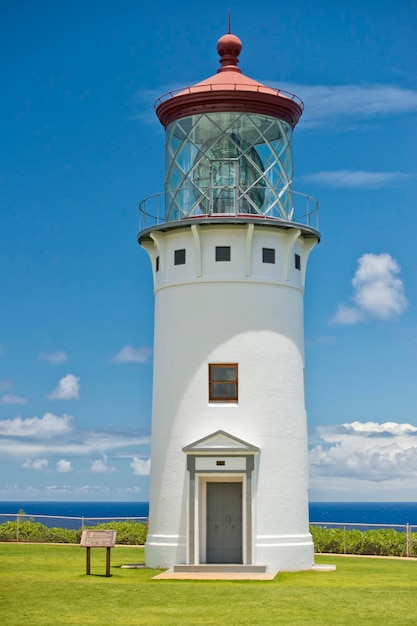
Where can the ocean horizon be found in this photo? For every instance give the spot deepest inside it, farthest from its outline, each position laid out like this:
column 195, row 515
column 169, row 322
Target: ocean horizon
column 367, row 513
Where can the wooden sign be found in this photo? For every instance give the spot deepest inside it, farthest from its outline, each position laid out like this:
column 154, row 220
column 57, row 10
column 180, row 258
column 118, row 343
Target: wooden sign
column 98, row 539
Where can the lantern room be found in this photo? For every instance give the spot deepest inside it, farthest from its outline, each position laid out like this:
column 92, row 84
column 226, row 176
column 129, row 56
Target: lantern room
column 228, row 145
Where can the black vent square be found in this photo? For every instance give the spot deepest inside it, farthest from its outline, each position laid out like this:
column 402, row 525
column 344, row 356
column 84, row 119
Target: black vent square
column 222, row 253
column 179, row 257
column 268, row 255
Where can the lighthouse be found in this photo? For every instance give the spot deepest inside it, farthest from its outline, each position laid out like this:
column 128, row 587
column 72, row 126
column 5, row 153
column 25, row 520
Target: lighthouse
column 228, row 242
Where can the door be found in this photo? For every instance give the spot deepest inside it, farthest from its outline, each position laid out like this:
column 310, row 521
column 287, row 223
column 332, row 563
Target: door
column 224, row 522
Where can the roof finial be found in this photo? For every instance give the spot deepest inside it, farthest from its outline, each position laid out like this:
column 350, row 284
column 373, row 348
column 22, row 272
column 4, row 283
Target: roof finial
column 229, row 47
column 229, row 20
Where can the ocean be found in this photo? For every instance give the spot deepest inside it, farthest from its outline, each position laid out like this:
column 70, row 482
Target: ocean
column 384, row 513
column 76, row 510
column 389, row 513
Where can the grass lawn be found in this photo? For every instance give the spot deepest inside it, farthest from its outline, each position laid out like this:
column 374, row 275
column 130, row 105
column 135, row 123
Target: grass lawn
column 47, row 585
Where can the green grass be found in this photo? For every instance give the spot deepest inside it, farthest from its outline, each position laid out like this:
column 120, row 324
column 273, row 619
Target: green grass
column 47, row 585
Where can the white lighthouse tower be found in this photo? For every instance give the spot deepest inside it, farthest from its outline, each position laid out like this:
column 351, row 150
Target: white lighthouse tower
column 229, row 475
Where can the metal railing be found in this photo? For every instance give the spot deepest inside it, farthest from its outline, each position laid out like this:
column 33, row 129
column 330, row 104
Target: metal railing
column 153, row 209
column 64, row 522
column 81, row 523
column 407, row 529
column 256, row 88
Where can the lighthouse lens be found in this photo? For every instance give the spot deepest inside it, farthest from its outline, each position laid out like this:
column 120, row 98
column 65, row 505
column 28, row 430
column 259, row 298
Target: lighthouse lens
column 228, row 163
column 232, row 171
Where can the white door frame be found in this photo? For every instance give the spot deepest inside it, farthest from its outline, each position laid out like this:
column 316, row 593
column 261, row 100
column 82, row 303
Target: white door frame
column 217, row 457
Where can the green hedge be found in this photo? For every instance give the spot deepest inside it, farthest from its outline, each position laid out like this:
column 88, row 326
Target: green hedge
column 129, row 532
column 383, row 542
column 27, row 530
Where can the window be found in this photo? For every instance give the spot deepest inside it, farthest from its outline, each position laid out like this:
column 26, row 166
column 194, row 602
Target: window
column 268, row 255
column 297, row 261
column 179, row 257
column 223, row 382
column 157, row 264
column 222, row 253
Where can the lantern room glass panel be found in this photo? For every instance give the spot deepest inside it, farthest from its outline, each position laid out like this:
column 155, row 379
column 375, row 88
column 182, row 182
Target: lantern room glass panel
column 228, row 163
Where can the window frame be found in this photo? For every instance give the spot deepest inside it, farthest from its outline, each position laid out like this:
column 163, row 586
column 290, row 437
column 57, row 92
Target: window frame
column 212, row 381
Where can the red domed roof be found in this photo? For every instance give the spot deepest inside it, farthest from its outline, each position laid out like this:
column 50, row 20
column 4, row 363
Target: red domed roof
column 229, row 90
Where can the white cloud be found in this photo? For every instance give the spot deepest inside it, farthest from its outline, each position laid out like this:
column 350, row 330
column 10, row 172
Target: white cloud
column 342, row 105
column 324, row 340
column 325, row 105
column 83, row 490
column 36, row 464
column 348, row 315
column 141, row 467
column 378, row 292
column 48, row 426
column 356, row 179
column 367, row 451
column 55, row 358
column 129, row 354
column 68, row 388
column 11, row 398
column 129, row 490
column 387, row 428
column 9, row 492
column 63, row 466
column 100, row 466
column 143, row 100
column 88, row 493
column 74, row 443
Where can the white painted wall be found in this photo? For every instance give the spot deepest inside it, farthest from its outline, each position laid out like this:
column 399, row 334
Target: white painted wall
column 246, row 312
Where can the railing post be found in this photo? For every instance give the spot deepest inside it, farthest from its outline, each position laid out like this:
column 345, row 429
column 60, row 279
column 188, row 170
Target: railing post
column 344, row 540
column 408, row 540
column 17, row 527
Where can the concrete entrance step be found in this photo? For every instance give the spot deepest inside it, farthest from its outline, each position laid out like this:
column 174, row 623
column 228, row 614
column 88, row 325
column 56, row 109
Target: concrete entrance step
column 220, row 568
column 217, row 572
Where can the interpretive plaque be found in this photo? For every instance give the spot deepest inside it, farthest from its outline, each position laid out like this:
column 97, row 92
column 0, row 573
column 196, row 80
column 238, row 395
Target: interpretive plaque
column 98, row 539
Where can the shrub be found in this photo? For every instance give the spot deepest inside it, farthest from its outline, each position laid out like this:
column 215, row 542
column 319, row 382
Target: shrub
column 386, row 542
column 34, row 532
column 328, row 539
column 383, row 542
column 128, row 533
column 8, row 531
column 63, row 535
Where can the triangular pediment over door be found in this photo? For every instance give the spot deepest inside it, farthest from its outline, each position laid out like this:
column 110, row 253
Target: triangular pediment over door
column 220, row 442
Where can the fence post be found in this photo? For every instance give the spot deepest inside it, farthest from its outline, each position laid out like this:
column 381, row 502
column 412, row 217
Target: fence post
column 82, row 523
column 17, row 527
column 408, row 540
column 344, row 539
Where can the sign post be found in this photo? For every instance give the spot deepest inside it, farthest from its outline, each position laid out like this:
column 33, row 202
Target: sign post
column 98, row 539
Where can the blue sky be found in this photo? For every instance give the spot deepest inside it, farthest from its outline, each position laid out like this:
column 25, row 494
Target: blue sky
column 81, row 146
